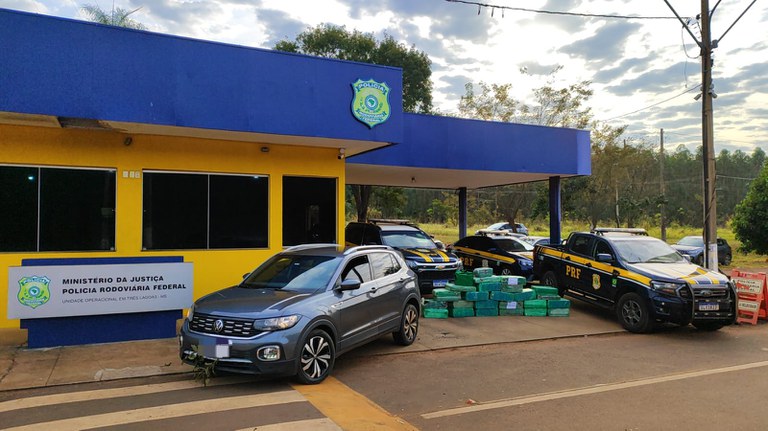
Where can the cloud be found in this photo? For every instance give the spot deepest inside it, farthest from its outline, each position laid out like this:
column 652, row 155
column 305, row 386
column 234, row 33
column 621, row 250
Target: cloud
column 606, row 46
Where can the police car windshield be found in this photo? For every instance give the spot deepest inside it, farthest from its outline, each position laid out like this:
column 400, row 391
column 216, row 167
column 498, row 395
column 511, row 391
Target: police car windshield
column 407, row 239
column 293, row 272
column 646, row 250
column 513, row 245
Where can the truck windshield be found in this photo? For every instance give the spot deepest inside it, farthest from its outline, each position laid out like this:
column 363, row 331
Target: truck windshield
column 407, row 239
column 646, row 250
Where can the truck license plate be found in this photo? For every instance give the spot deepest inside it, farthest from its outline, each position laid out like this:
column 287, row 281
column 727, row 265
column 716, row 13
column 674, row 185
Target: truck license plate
column 709, row 306
column 439, row 283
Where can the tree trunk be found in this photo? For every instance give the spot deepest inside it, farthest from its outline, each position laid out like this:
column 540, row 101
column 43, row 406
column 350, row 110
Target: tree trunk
column 362, row 197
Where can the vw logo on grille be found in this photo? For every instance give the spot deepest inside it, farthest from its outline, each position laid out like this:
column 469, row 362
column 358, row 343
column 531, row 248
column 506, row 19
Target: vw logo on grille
column 218, row 326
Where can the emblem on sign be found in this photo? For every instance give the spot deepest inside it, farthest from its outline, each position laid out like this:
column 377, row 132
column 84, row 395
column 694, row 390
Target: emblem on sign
column 33, row 291
column 370, row 103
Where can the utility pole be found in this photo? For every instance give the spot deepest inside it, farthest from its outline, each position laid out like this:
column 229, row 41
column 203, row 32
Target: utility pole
column 707, row 133
column 662, row 218
column 706, row 44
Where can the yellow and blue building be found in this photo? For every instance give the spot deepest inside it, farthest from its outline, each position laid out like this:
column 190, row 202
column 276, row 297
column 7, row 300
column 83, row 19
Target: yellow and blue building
column 121, row 146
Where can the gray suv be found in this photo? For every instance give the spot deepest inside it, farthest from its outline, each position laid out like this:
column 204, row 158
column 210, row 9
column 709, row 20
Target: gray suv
column 299, row 310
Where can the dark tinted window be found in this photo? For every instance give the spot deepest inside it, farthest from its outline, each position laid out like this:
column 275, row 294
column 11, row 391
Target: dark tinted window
column 383, row 265
column 604, row 248
column 357, row 269
column 581, row 245
column 49, row 209
column 309, row 210
column 199, row 211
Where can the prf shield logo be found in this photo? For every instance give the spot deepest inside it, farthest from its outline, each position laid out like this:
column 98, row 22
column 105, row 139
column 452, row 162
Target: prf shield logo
column 33, row 291
column 370, row 104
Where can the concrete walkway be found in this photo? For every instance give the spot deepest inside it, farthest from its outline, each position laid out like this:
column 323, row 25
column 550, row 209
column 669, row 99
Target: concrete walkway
column 22, row 368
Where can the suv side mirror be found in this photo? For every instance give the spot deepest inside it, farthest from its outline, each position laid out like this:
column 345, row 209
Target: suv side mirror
column 439, row 244
column 349, row 285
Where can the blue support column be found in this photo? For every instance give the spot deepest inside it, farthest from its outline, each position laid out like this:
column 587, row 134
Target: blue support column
column 554, row 210
column 462, row 212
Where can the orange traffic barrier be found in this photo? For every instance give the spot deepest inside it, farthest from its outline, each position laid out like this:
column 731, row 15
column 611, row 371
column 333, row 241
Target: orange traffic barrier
column 752, row 291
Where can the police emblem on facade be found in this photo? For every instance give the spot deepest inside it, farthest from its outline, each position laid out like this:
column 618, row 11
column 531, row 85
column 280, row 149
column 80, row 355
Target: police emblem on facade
column 370, row 103
column 33, row 291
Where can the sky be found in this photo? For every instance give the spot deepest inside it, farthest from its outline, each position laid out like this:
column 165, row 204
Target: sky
column 644, row 72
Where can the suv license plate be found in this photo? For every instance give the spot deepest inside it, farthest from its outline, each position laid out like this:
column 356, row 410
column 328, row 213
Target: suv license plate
column 439, row 283
column 709, row 306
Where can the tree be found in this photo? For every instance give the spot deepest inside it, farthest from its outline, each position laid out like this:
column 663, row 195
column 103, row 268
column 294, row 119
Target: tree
column 118, row 17
column 750, row 221
column 333, row 41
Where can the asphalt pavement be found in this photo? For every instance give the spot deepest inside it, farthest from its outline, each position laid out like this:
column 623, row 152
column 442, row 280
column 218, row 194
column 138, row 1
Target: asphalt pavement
column 22, row 367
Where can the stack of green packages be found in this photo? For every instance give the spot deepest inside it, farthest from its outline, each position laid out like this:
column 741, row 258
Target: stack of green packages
column 434, row 309
column 535, row 307
column 461, row 309
column 559, row 307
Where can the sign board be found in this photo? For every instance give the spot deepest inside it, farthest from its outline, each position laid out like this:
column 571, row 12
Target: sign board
column 81, row 290
column 752, row 293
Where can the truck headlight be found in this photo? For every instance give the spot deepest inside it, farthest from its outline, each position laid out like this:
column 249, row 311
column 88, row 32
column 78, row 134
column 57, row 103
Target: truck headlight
column 525, row 263
column 276, row 323
column 666, row 288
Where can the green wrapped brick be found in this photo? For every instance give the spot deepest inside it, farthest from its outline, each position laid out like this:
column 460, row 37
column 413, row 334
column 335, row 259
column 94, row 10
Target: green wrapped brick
column 545, row 290
column 502, row 296
column 445, row 295
column 464, row 278
column 525, row 295
column 434, row 313
column 487, row 312
column 558, row 303
column 535, row 303
column 433, row 304
column 537, row 312
column 486, row 304
column 510, row 305
column 482, row 272
column 488, row 284
column 512, row 288
column 475, row 296
column 461, row 312
column 511, row 311
column 453, row 287
column 559, row 312
column 461, row 304
column 550, row 297
column 514, row 280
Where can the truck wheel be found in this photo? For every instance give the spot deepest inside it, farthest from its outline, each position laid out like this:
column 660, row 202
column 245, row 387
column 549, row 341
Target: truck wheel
column 708, row 326
column 727, row 259
column 633, row 314
column 550, row 279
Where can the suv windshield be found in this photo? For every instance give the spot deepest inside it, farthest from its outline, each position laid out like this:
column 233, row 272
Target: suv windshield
column 649, row 250
column 293, row 272
column 693, row 241
column 407, row 239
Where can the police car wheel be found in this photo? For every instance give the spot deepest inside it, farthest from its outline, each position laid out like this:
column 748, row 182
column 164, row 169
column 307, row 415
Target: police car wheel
column 506, row 271
column 550, row 279
column 633, row 314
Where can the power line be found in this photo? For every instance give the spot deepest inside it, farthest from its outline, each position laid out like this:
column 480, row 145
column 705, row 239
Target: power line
column 551, row 12
column 655, row 104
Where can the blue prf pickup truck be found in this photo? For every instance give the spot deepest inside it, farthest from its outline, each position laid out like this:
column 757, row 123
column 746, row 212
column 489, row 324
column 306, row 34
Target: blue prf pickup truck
column 644, row 280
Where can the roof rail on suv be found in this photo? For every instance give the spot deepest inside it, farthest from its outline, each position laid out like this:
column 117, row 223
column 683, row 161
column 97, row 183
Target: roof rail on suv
column 366, row 247
column 312, row 246
column 390, row 221
column 609, row 230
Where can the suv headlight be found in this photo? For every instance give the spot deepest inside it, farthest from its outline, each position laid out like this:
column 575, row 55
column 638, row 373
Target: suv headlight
column 276, row 323
column 525, row 263
column 666, row 288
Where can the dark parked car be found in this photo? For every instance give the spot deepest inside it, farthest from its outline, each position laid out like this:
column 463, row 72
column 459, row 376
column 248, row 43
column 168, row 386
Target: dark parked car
column 517, row 228
column 433, row 266
column 505, row 253
column 693, row 246
column 303, row 307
